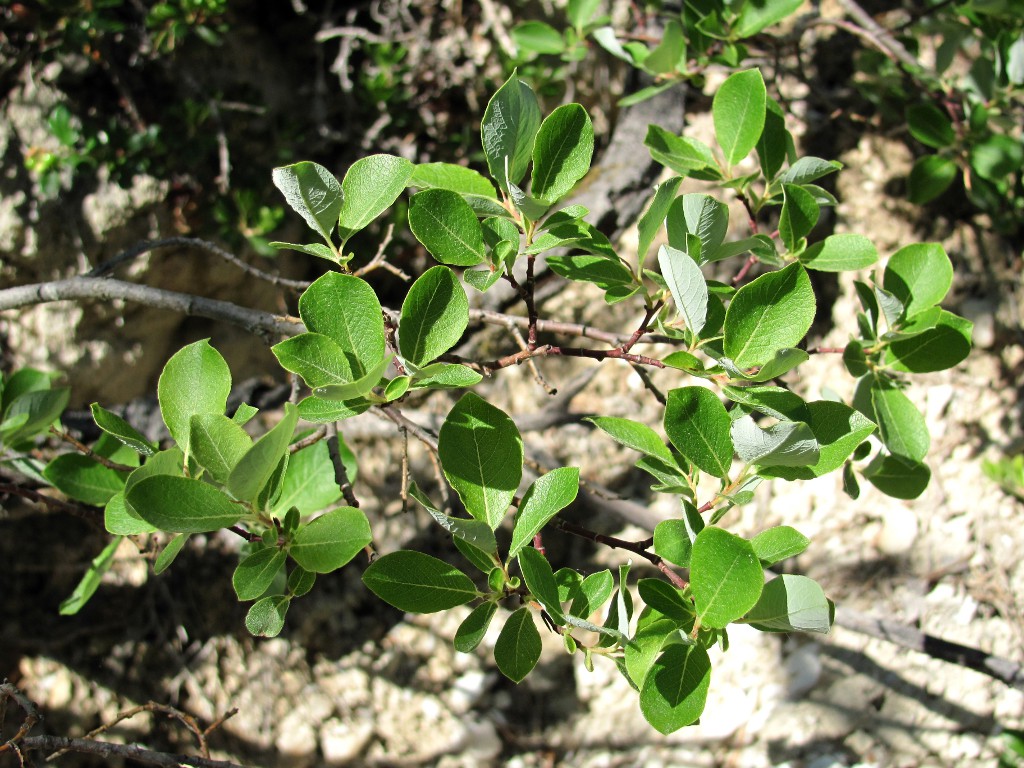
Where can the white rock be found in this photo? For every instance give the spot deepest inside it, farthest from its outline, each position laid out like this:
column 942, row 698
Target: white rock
column 341, row 742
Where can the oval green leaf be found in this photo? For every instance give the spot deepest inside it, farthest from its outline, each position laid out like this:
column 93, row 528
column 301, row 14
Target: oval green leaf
column 256, row 572
column 508, row 130
column 738, row 110
column 183, row 505
column 675, row 689
column 331, row 540
column 840, row 253
column 418, row 583
column 792, row 604
column 549, row 495
column 725, row 576
column 919, row 275
column 195, row 380
column 562, row 152
column 447, row 227
column 435, row 314
column 347, row 309
column 369, row 188
column 698, row 425
column 312, row 192
column 517, row 649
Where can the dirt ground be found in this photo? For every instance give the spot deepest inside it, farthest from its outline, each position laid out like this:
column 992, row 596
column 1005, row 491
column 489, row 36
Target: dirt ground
column 353, row 682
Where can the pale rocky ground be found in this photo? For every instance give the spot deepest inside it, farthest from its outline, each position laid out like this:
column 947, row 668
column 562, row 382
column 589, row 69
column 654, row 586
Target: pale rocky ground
column 352, row 683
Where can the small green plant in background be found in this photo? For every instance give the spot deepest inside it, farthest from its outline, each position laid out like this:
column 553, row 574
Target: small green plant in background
column 1008, row 473
column 728, row 423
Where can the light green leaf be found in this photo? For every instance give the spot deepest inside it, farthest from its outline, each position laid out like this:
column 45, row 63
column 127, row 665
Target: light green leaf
column 540, row 580
column 773, row 312
column 445, row 376
column 687, row 284
column 738, row 110
column 930, row 177
column 518, row 647
column 653, row 632
column 217, row 444
column 593, row 592
column 169, row 553
column 545, row 498
column 581, row 12
column 347, row 309
column 808, row 169
column 456, row 178
column 919, row 275
column 653, row 218
column 705, row 217
column 672, row 603
column 776, row 143
column 319, row 411
column 481, row 454
column 435, row 314
column 310, row 249
column 256, row 572
column 792, row 604
column 331, row 540
column 360, row 387
column 32, row 412
column 673, row 539
column 254, row 469
column 838, row 429
column 537, row 37
column 633, row 434
column 418, row 583
column 90, row 582
column 118, row 522
column 698, row 425
column 755, row 16
column 726, row 577
column 182, row 505
column 562, row 152
column 447, row 227
column 930, row 125
column 786, row 443
column 675, row 690
column 840, row 253
column 779, row 543
column 683, row 155
column 476, row 532
column 317, row 358
column 309, row 483
column 508, row 130
column 901, row 426
column 800, row 213
column 312, row 192
column 266, row 616
column 195, row 380
column 369, row 188
column 117, row 427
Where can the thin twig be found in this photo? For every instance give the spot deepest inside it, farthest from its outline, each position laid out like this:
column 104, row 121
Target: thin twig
column 89, row 452
column 340, row 473
column 380, row 259
column 86, row 513
column 308, row 440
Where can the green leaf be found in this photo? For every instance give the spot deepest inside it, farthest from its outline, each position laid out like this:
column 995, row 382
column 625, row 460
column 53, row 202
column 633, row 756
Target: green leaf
column 518, row 646
column 266, row 616
column 919, row 275
column 593, row 592
column 785, row 443
column 669, row 56
column 120, row 429
column 195, row 380
column 320, row 411
column 435, row 314
column 997, row 156
column 473, row 628
column 537, row 37
column 930, row 125
column 653, row 218
column 705, row 217
column 445, row 376
column 775, row 143
column 838, row 429
column 312, row 192
column 485, row 562
column 481, row 454
column 90, row 582
column 84, row 479
column 792, row 604
column 447, row 227
column 300, row 581
column 456, row 178
column 581, row 12
column 311, row 249
column 726, row 577
column 540, row 580
column 777, row 402
column 672, row 603
column 685, row 156
column 545, row 498
column 633, row 434
column 929, row 178
column 562, row 152
column 738, row 110
column 901, row 426
column 347, row 309
column 687, row 284
column 418, row 583
column 482, row 279
column 939, row 348
column 361, row 387
column 317, row 358
column 369, row 188
column 256, row 572
column 118, row 522
column 610, row 276
column 309, row 483
column 808, row 169
column 169, row 553
column 698, row 425
column 217, row 443
column 896, row 477
column 675, row 690
column 799, row 215
column 254, row 469
column 773, row 312
column 331, row 540
column 755, row 16
column 840, row 253
column 475, row 532
column 673, row 541
column 653, row 632
column 779, row 543
column 508, row 130
column 182, row 505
